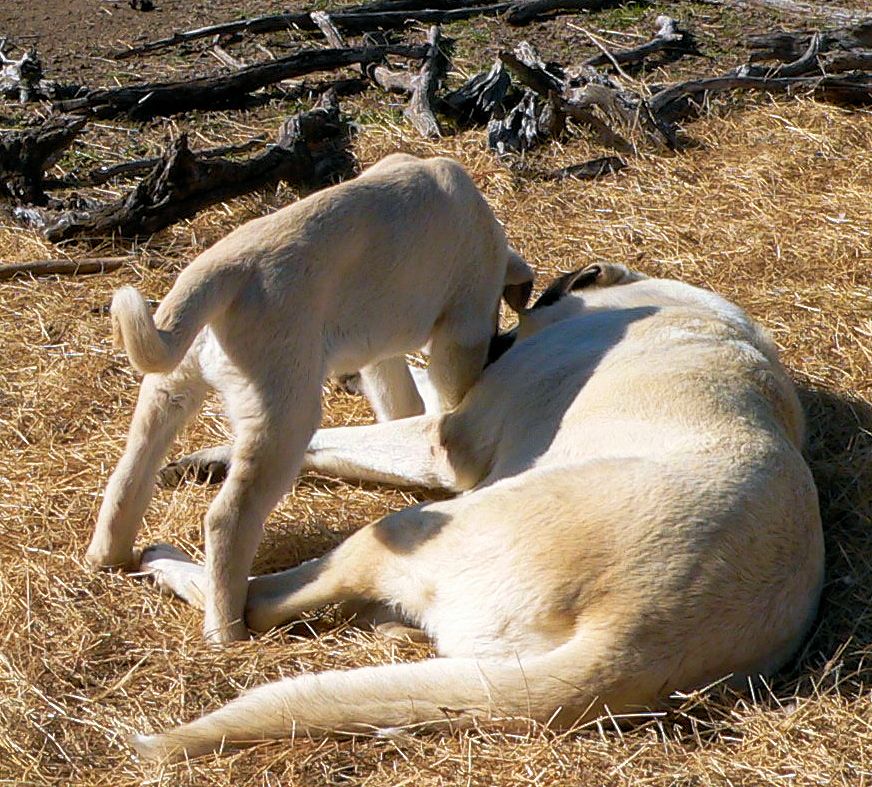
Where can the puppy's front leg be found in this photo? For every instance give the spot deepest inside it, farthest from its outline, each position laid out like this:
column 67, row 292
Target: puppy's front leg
column 391, row 390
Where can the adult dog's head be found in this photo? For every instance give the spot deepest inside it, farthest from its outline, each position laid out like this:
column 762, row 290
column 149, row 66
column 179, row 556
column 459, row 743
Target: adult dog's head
column 554, row 305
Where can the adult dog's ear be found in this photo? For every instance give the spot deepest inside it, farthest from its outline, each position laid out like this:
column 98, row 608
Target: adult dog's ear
column 566, row 283
column 519, row 282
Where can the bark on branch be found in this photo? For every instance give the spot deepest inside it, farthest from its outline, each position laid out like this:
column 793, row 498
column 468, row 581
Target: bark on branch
column 311, row 151
column 222, row 90
column 25, row 155
column 89, row 265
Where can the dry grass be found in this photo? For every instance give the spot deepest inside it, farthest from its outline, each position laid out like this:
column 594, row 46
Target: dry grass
column 773, row 208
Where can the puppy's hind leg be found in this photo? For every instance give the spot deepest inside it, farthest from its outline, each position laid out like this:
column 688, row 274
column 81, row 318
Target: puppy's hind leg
column 273, row 429
column 166, row 402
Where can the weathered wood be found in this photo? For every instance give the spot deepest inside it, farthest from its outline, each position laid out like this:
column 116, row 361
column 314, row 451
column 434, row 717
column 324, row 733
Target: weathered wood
column 386, row 78
column 587, row 170
column 788, row 46
column 519, row 129
column 483, row 96
column 836, row 13
column 223, row 90
column 104, row 174
column 20, row 78
column 9, row 270
column 420, row 111
column 673, row 103
column 312, row 150
column 353, row 21
column 523, row 12
column 25, row 155
column 525, row 64
column 670, row 42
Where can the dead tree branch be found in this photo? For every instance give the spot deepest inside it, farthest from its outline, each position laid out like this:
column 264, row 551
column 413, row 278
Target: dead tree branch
column 10, row 270
column 420, row 112
column 139, row 166
column 25, row 155
column 788, row 46
column 311, row 151
column 168, row 98
column 351, row 21
column 670, row 42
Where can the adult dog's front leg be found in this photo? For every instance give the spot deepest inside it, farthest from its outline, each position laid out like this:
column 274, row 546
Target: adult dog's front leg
column 165, row 403
column 207, row 466
column 407, row 452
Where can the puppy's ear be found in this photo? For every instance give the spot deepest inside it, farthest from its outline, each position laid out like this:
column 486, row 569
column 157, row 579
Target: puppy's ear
column 519, row 281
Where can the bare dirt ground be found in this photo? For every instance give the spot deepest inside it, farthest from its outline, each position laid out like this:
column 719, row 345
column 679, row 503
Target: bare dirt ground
column 771, row 205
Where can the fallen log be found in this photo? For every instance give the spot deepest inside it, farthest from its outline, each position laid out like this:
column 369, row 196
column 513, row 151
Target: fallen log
column 25, row 155
column 352, row 21
column 836, row 13
column 222, row 90
column 312, row 150
column 420, row 112
column 101, row 175
column 523, row 12
column 674, row 103
column 587, row 170
column 788, row 46
column 9, row 270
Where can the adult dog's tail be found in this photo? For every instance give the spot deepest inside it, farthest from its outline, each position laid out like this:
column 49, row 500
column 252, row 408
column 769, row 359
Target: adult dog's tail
column 158, row 344
column 372, row 699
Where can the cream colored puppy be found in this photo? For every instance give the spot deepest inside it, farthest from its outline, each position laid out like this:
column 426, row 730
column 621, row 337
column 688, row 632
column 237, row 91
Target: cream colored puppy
column 638, row 519
column 349, row 278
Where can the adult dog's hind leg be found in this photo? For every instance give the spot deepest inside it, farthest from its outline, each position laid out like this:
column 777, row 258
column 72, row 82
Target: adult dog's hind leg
column 377, row 563
column 272, row 434
column 166, row 402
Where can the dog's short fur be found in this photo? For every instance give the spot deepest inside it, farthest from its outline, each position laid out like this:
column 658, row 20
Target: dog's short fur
column 638, row 519
column 349, row 278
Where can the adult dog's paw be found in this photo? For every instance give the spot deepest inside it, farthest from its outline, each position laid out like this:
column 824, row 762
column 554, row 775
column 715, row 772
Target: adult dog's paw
column 209, row 466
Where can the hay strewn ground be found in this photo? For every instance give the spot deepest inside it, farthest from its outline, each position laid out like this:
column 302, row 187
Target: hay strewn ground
column 773, row 208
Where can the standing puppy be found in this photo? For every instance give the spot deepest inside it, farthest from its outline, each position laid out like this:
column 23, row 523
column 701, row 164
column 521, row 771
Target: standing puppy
column 349, row 278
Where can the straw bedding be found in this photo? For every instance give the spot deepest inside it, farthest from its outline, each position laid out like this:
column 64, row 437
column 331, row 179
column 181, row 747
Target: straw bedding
column 772, row 207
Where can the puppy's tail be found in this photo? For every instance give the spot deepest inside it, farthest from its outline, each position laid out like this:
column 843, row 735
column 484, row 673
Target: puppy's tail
column 369, row 700
column 158, row 344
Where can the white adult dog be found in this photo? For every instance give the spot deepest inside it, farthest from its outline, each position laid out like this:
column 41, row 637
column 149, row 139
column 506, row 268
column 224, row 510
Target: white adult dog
column 349, row 278
column 638, row 519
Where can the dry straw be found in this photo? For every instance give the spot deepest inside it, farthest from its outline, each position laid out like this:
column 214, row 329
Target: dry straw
column 772, row 207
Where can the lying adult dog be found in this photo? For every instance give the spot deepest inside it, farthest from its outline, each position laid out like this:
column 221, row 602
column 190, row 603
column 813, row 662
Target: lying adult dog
column 638, row 519
column 350, row 278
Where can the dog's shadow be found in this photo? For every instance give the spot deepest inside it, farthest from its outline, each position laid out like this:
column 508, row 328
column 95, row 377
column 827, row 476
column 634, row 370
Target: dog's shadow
column 839, row 452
